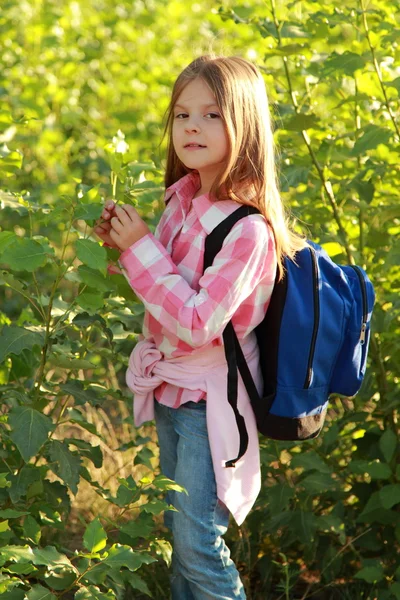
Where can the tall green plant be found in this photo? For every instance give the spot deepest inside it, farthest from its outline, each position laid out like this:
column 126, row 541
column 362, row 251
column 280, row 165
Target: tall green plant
column 332, row 505
column 55, row 355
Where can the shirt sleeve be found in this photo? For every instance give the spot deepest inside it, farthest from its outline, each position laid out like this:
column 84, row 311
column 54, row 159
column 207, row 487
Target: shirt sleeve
column 198, row 317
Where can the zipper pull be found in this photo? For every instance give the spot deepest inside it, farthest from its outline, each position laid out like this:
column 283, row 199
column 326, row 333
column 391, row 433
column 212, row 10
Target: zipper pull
column 362, row 334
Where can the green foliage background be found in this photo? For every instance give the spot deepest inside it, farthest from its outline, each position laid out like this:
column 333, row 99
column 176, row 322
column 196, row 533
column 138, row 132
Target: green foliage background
column 83, row 90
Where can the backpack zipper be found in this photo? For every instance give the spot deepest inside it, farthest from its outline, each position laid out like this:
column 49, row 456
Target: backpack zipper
column 316, row 318
column 364, row 301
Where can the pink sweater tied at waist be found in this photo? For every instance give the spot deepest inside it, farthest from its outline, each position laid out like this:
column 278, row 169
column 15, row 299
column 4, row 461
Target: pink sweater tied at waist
column 237, row 487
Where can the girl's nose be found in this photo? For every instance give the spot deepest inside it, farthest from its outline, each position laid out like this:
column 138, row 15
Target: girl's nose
column 192, row 125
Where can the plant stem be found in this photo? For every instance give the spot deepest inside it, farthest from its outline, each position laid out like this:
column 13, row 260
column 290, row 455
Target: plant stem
column 357, row 135
column 114, row 180
column 377, row 68
column 40, row 373
column 325, row 182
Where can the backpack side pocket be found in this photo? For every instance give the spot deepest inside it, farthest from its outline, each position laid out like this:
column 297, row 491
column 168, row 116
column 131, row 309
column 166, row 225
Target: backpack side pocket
column 352, row 360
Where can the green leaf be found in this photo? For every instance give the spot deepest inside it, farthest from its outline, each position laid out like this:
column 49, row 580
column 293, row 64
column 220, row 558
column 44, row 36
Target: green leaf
column 24, row 255
column 67, row 464
column 4, row 482
column 388, row 444
column 90, row 302
column 390, row 495
column 142, row 526
column 375, row 469
column 92, row 254
column 38, row 592
column 373, row 135
column 123, row 556
column 93, row 453
column 370, row 574
column 310, row 461
column 9, row 280
column 88, row 194
column 10, row 513
column 279, row 497
column 50, row 557
column 10, row 162
column 137, row 583
column 395, row 83
column 92, row 592
column 20, row 483
column 29, row 430
column 347, row 63
column 18, row 554
column 163, row 483
column 289, row 30
column 95, row 538
column 21, row 569
column 332, row 524
column 155, row 506
column 4, row 526
column 88, row 212
column 76, row 388
column 317, row 483
column 76, row 417
column 301, row 121
column 304, row 524
column 70, row 363
column 15, row 594
column 164, row 549
column 395, row 587
column 60, row 579
column 94, row 279
column 125, row 496
column 144, row 458
column 372, row 508
column 6, row 239
column 13, row 340
column 32, row 529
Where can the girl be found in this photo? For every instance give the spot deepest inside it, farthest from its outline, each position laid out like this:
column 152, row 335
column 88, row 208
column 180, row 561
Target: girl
column 220, row 154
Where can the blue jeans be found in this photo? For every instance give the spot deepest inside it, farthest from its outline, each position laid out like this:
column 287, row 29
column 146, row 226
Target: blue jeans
column 201, row 565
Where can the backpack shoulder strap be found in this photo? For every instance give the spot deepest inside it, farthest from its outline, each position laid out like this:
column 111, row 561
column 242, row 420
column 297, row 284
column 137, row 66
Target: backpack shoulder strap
column 216, row 237
column 233, row 351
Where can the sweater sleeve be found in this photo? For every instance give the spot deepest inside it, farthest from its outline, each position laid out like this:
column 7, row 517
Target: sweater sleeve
column 198, row 317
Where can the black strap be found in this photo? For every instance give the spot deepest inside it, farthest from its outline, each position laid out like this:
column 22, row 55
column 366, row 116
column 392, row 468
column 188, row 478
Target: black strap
column 233, row 351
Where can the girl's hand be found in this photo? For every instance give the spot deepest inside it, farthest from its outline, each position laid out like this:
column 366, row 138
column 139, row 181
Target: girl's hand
column 127, row 227
column 103, row 225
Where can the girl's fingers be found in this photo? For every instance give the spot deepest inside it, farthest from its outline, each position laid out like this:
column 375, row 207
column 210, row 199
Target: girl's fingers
column 131, row 212
column 122, row 215
column 116, row 224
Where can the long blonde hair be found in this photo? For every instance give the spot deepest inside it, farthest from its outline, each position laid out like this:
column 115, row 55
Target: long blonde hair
column 249, row 175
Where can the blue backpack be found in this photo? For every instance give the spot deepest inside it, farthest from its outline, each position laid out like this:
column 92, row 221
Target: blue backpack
column 313, row 341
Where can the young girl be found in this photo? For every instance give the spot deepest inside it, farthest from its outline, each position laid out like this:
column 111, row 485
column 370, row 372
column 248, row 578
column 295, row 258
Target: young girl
column 220, row 155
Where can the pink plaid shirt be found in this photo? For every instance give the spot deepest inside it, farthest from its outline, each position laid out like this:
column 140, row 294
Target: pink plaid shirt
column 185, row 310
column 180, row 356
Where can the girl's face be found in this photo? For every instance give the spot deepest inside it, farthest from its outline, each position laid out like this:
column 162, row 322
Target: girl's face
column 197, row 120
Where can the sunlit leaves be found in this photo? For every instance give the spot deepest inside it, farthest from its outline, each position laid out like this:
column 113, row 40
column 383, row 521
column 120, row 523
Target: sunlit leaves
column 373, row 135
column 10, row 162
column 95, row 538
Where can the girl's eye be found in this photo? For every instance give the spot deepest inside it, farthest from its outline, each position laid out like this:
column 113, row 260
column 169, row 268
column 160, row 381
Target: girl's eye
column 185, row 115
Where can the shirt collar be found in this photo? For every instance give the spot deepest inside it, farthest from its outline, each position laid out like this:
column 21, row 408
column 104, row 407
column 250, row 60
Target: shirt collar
column 209, row 212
